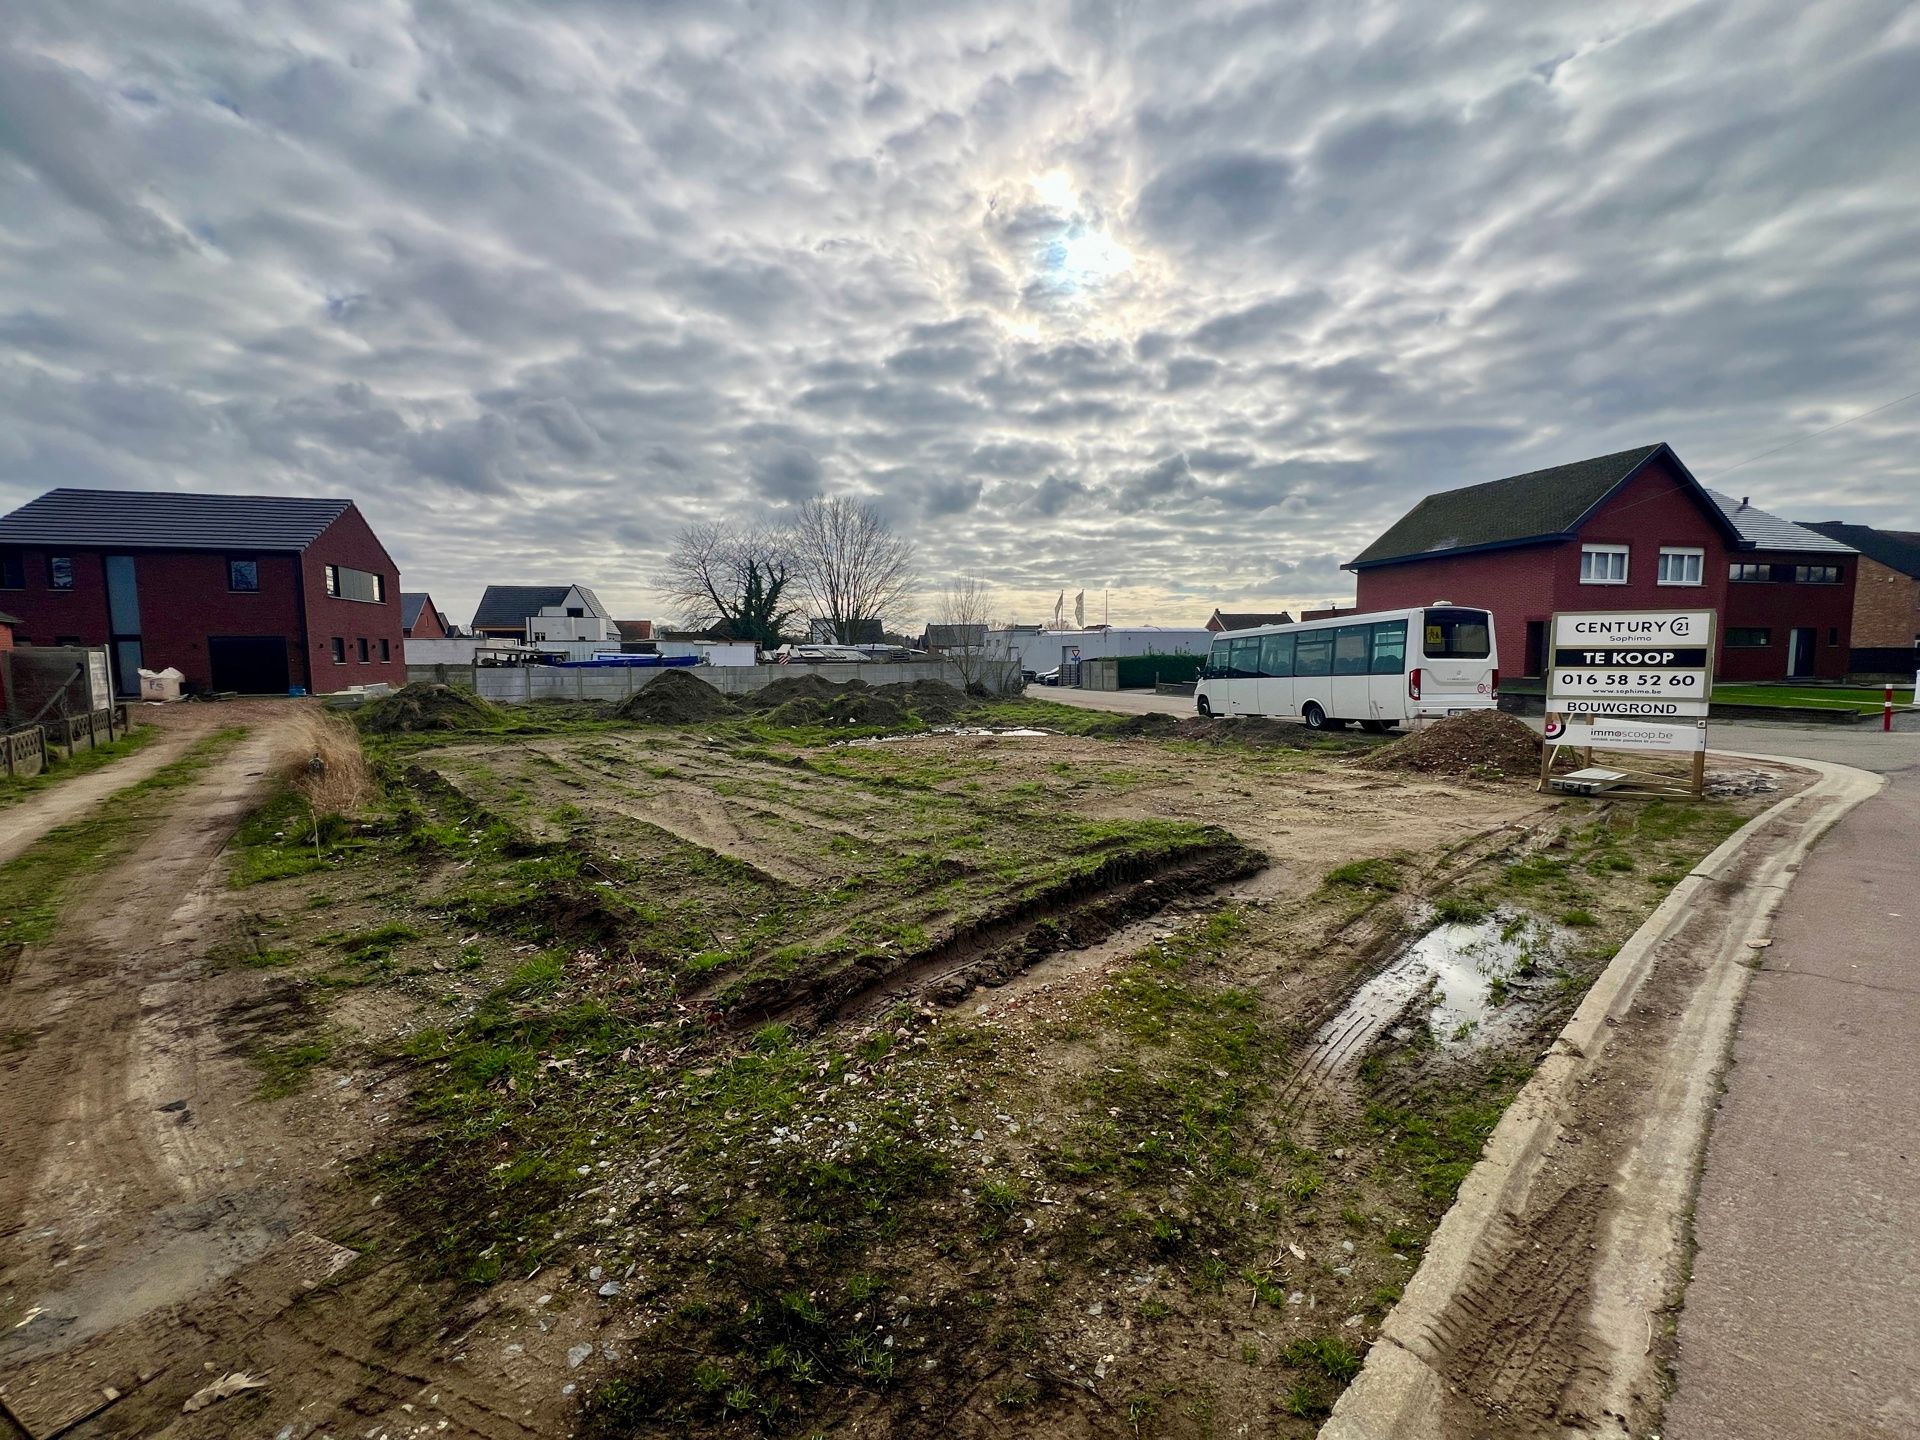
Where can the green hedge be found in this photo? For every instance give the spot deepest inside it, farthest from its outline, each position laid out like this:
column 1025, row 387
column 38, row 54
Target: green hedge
column 1142, row 672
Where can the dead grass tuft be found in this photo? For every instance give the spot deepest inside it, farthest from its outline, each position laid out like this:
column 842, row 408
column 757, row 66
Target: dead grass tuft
column 322, row 761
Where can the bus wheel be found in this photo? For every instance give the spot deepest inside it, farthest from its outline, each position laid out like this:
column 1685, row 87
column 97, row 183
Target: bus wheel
column 1206, row 710
column 1375, row 727
column 1315, row 717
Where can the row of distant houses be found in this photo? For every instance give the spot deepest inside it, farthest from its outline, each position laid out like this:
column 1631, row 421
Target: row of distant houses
column 263, row 594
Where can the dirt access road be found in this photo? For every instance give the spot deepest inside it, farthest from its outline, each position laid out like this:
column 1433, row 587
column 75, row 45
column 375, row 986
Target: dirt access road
column 180, row 726
column 132, row 1174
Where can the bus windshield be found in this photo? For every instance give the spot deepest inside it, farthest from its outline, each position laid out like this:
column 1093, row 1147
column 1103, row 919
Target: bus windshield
column 1458, row 635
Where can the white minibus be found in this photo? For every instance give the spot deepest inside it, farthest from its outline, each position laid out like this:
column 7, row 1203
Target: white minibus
column 1385, row 668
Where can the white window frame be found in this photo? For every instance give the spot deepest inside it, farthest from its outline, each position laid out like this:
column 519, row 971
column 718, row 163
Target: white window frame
column 1683, row 552
column 1586, row 575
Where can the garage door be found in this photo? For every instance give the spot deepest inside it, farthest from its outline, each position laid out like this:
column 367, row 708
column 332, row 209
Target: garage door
column 251, row 664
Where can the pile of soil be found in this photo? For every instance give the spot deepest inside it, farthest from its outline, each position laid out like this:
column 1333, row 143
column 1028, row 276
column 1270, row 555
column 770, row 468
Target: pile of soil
column 424, row 705
column 1250, row 730
column 934, row 701
column 675, row 697
column 1482, row 743
column 805, row 686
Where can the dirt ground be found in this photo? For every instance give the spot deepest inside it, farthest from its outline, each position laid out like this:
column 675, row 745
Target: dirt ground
column 637, row 1081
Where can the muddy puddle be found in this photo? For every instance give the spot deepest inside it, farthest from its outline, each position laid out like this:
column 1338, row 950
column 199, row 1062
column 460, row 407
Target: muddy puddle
column 1465, row 982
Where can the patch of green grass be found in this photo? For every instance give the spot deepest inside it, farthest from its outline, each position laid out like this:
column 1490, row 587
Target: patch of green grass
column 1578, row 919
column 1460, row 909
column 1861, row 699
column 1437, row 1137
column 1331, row 1355
column 1380, row 875
column 284, row 1068
column 14, row 788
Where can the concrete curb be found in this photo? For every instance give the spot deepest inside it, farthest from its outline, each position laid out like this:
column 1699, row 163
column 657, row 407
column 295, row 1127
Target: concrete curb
column 1399, row 1394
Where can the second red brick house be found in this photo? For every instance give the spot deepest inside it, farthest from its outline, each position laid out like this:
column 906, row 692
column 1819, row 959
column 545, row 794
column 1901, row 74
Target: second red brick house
column 254, row 593
column 1629, row 531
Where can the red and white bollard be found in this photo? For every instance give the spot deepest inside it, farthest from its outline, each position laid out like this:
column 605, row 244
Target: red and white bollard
column 1886, row 711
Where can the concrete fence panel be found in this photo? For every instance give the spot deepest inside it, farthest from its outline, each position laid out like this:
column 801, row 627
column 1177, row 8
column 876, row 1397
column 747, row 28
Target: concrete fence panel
column 520, row 684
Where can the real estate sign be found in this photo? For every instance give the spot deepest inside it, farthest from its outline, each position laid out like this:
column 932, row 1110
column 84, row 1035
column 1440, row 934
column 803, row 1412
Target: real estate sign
column 1645, row 664
column 1598, row 732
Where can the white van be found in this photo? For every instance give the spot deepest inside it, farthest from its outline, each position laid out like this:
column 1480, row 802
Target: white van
column 1382, row 669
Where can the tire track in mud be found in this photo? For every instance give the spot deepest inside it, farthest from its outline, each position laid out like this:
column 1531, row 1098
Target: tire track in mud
column 1370, row 941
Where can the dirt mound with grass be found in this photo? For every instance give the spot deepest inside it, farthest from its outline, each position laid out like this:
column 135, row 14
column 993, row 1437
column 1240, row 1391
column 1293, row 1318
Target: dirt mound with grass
column 675, row 697
column 425, row 705
column 934, row 701
column 1482, row 743
column 804, row 686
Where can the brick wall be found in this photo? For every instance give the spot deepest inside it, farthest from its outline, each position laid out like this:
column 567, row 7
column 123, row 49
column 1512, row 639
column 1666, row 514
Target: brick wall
column 350, row 541
column 1779, row 607
column 1886, row 607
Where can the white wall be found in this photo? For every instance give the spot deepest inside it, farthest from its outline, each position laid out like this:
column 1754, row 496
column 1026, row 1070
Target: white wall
column 714, row 652
column 455, row 650
column 518, row 683
column 1051, row 647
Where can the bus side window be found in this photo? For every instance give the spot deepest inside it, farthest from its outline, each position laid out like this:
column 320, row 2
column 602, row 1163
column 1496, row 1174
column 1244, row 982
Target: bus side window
column 1389, row 648
column 1217, row 667
column 1246, row 658
column 1350, row 649
column 1314, row 653
column 1276, row 655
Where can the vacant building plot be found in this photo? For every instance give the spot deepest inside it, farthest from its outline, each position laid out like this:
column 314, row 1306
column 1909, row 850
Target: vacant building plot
column 763, row 1074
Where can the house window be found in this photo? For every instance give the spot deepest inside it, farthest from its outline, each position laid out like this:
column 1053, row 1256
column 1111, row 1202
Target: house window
column 1816, row 574
column 344, row 583
column 574, row 612
column 339, row 651
column 1603, row 564
column 1679, row 566
column 1749, row 573
column 386, row 650
column 361, row 648
column 1749, row 638
column 13, row 571
column 1833, row 635
column 243, row 573
column 59, row 572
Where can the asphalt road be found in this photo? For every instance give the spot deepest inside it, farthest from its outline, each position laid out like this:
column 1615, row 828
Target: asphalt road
column 1800, row 1320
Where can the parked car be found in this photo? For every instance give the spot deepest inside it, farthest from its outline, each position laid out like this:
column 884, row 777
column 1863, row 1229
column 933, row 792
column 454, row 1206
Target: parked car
column 1049, row 677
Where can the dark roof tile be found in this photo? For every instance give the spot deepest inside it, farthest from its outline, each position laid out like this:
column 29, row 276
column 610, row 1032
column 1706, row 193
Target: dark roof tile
column 1895, row 549
column 1539, row 505
column 506, row 607
column 170, row 520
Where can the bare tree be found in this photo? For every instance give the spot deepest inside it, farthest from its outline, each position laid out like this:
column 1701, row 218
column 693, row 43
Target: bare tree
column 964, row 613
column 850, row 564
column 732, row 580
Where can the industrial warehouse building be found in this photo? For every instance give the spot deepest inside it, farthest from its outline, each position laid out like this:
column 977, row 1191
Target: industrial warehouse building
column 1629, row 531
column 249, row 593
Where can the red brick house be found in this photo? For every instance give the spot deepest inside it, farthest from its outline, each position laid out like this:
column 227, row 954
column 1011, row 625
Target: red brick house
column 420, row 618
column 1631, row 531
column 254, row 593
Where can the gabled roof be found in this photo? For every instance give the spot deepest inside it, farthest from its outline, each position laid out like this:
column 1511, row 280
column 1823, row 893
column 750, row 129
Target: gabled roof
column 592, row 602
column 1251, row 620
column 412, row 602
column 1763, row 531
column 170, row 520
column 1895, row 549
column 1529, row 509
column 506, row 607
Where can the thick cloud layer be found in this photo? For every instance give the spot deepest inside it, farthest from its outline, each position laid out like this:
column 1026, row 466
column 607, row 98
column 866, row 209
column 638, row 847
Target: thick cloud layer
column 1188, row 301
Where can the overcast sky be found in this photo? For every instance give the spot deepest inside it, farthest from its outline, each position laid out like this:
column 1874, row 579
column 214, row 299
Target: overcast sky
column 1188, row 300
